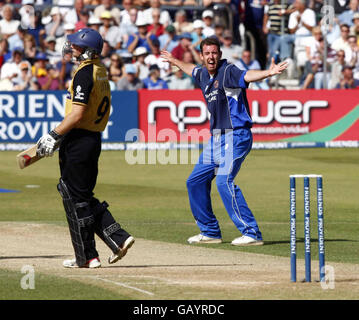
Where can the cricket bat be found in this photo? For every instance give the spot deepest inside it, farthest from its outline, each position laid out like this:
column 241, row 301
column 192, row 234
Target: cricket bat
column 27, row 157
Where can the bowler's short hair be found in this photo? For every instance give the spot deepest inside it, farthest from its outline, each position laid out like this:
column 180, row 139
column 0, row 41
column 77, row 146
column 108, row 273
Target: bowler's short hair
column 210, row 42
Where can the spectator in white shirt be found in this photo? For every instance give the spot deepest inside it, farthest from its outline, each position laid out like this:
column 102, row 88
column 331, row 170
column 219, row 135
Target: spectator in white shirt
column 231, row 52
column 300, row 24
column 8, row 26
column 165, row 18
column 181, row 23
column 11, row 69
column 53, row 55
column 109, row 31
column 125, row 13
column 73, row 15
column 106, row 5
column 179, row 81
column 342, row 43
column 207, row 18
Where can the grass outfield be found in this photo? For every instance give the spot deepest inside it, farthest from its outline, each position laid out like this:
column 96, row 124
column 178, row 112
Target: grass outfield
column 151, row 202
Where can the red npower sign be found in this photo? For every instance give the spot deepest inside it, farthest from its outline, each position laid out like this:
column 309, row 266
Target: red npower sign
column 278, row 115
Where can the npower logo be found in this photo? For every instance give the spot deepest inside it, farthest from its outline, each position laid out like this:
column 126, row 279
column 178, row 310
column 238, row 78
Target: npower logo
column 178, row 114
column 281, row 111
column 285, row 111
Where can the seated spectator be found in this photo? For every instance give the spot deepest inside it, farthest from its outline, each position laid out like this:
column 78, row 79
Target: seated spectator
column 55, row 27
column 11, row 69
column 106, row 53
column 185, row 41
column 332, row 28
column 107, row 5
column 142, row 69
column 178, row 81
column 246, row 63
column 154, row 82
column 128, row 26
column 347, row 81
column 109, row 31
column 65, row 6
column 197, row 34
column 314, row 66
column 168, row 40
column 73, row 15
column 346, row 17
column 39, row 68
column 156, row 27
column 115, row 70
column 53, row 55
column 50, row 81
column 83, row 20
column 300, row 24
column 336, row 69
column 130, row 81
column 65, row 67
column 165, row 18
column 342, row 43
column 230, row 51
column 38, row 30
column 17, row 40
column 218, row 31
column 69, row 28
column 125, row 13
column 94, row 23
column 25, row 13
column 8, row 25
column 207, row 18
column 154, row 58
column 181, row 22
column 354, row 29
column 354, row 52
column 30, row 49
column 142, row 38
column 27, row 81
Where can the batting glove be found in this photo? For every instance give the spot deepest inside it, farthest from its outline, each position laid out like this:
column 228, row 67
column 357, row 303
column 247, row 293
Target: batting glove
column 48, row 143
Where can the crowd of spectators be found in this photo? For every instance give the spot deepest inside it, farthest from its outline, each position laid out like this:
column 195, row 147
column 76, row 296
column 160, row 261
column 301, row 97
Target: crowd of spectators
column 32, row 33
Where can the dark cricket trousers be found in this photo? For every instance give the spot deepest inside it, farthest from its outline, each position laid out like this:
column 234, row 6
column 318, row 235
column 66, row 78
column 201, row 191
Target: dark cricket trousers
column 78, row 156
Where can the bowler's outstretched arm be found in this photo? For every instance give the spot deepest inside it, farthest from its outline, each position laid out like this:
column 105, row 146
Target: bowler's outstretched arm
column 258, row 75
column 185, row 67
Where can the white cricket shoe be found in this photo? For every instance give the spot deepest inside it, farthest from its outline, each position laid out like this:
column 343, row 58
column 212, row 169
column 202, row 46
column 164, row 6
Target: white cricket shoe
column 246, row 241
column 93, row 263
column 122, row 250
column 200, row 238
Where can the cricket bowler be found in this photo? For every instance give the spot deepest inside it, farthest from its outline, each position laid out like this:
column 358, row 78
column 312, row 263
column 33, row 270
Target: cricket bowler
column 224, row 88
column 79, row 135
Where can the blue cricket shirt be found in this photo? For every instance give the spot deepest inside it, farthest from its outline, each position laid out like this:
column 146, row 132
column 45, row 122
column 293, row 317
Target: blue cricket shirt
column 225, row 94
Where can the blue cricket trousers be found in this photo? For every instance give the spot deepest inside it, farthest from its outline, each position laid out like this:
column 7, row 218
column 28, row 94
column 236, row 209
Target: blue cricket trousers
column 222, row 158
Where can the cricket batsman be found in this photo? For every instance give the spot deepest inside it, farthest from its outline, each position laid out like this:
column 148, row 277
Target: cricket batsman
column 224, row 88
column 79, row 135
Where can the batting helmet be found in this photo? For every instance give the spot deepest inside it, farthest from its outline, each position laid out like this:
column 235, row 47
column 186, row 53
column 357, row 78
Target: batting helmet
column 87, row 38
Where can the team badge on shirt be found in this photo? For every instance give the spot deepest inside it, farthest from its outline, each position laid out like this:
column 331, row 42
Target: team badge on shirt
column 215, row 84
column 79, row 94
